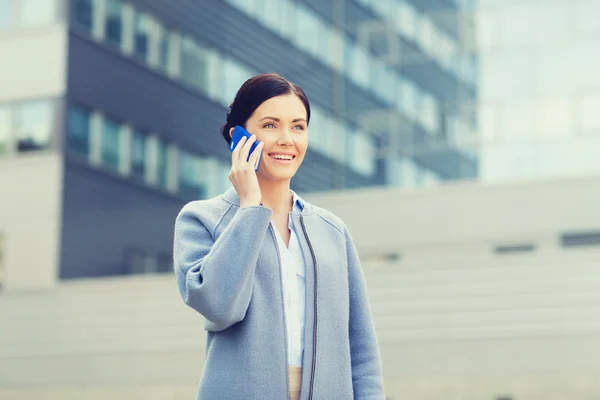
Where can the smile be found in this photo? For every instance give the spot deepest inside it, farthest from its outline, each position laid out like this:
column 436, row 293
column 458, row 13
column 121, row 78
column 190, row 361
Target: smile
column 282, row 158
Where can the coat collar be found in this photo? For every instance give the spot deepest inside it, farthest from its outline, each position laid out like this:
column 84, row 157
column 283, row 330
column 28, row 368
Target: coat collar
column 300, row 205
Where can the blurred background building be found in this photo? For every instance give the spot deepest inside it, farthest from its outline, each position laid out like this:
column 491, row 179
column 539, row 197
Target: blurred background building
column 473, row 124
column 123, row 101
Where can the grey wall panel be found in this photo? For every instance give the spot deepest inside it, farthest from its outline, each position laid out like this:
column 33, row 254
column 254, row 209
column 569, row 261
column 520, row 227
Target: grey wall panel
column 104, row 215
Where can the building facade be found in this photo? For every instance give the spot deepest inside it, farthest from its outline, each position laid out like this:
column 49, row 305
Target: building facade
column 112, row 108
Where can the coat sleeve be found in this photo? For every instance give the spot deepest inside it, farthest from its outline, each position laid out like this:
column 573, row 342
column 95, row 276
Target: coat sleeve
column 367, row 375
column 215, row 277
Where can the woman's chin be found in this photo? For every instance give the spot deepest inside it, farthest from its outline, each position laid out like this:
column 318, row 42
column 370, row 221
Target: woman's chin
column 278, row 174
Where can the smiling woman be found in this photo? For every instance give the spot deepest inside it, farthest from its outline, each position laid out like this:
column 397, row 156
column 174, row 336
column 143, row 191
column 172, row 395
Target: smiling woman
column 277, row 279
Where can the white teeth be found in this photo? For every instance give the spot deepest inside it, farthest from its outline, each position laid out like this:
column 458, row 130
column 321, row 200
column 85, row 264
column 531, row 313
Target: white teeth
column 281, row 157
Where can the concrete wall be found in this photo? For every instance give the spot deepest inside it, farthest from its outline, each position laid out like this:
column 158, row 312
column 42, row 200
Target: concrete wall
column 465, row 218
column 464, row 331
column 39, row 55
column 30, row 215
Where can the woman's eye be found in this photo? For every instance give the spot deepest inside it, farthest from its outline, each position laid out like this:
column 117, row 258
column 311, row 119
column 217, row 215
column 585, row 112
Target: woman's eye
column 300, row 127
column 269, row 125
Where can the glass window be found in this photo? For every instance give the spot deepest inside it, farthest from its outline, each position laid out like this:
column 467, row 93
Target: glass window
column 34, row 122
column 381, row 7
column 407, row 21
column 78, row 130
column 306, row 36
column 6, row 10
column 162, row 165
column 111, row 143
column 190, row 175
column 143, row 25
column 36, row 12
column 194, row 63
column 348, row 57
column 5, row 128
column 426, row 35
column 138, row 154
column 273, row 15
column 363, row 157
column 288, row 21
column 430, row 113
column 386, row 84
column 337, row 49
column 215, row 84
column 243, row 5
column 588, row 113
column 361, row 66
column 114, row 21
column 338, row 140
column 402, row 172
column 234, row 75
column 84, row 12
column 164, row 48
column 412, row 97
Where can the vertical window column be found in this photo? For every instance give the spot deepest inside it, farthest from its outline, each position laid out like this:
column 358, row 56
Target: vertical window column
column 34, row 124
column 95, row 156
column 5, row 130
column 98, row 28
column 125, row 150
column 79, row 131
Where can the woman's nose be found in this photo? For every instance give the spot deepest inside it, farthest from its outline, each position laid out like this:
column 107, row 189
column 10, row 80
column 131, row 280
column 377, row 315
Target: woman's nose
column 285, row 137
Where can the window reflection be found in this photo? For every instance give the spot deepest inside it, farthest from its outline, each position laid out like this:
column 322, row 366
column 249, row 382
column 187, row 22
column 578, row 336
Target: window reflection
column 162, row 164
column 363, row 153
column 84, row 12
column 193, row 63
column 4, row 129
column 142, row 30
column 78, row 131
column 189, row 174
column 164, row 46
column 234, row 75
column 34, row 122
column 138, row 154
column 111, row 143
column 114, row 21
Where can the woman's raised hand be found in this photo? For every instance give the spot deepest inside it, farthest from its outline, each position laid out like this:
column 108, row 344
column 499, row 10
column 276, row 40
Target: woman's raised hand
column 242, row 174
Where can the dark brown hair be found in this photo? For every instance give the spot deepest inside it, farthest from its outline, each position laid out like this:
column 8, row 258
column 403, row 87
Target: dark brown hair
column 253, row 93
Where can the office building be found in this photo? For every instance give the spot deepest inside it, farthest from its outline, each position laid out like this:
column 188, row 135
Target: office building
column 110, row 113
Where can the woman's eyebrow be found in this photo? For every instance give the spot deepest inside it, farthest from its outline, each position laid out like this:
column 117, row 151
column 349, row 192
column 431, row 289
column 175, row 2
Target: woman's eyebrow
column 278, row 120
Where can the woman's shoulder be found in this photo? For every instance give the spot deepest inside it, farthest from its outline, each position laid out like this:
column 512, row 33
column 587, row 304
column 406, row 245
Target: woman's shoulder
column 329, row 217
column 208, row 211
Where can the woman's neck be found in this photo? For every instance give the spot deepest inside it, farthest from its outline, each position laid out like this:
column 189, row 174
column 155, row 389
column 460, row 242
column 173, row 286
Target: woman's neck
column 276, row 196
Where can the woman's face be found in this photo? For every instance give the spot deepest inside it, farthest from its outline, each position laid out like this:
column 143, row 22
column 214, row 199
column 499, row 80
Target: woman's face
column 280, row 123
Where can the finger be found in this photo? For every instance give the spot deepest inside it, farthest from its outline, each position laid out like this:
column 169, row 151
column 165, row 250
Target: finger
column 236, row 151
column 246, row 149
column 256, row 154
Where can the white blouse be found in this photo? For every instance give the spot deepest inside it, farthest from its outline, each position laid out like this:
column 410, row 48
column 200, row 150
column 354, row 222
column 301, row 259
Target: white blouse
column 294, row 297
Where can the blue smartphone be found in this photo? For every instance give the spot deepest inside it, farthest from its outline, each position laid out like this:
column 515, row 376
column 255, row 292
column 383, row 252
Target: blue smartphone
column 238, row 133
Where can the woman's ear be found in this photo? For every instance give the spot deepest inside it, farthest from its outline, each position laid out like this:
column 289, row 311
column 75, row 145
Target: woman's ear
column 231, row 131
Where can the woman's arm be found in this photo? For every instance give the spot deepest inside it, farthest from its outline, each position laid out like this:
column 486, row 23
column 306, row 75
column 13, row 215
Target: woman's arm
column 367, row 377
column 215, row 277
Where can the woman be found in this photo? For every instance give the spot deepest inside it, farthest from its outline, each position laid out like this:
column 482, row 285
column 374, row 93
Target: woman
column 277, row 279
